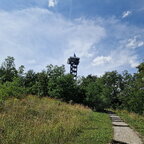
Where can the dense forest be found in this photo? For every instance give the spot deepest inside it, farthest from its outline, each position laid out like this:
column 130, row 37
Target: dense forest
column 112, row 90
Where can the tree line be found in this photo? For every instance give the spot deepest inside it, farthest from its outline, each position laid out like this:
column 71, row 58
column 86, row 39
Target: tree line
column 112, row 90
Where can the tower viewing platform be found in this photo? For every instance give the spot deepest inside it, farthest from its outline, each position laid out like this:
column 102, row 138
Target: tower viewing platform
column 74, row 62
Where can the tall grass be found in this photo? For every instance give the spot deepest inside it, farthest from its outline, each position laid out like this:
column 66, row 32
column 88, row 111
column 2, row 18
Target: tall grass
column 46, row 121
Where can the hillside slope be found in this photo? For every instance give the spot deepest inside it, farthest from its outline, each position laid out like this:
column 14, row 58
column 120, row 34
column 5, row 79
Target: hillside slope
column 46, row 121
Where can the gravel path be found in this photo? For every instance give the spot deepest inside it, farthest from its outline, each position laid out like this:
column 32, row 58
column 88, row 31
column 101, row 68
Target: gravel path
column 123, row 134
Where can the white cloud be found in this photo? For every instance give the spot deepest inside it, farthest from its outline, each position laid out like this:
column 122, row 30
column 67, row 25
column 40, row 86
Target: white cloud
column 126, row 14
column 116, row 59
column 122, row 57
column 100, row 60
column 37, row 37
column 52, row 3
column 84, row 34
column 118, row 48
column 133, row 62
column 134, row 43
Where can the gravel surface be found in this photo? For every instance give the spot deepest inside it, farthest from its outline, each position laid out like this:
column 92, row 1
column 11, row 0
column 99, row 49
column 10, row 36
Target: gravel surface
column 123, row 133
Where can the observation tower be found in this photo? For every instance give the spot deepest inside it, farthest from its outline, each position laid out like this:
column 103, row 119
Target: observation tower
column 74, row 62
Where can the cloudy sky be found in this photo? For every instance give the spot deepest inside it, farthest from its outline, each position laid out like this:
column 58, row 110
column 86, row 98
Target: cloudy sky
column 106, row 34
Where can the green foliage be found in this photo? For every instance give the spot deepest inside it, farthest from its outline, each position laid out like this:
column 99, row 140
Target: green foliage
column 11, row 89
column 55, row 71
column 132, row 95
column 95, row 93
column 141, row 68
column 3, row 93
column 42, row 84
column 113, row 81
column 30, row 79
column 8, row 70
column 21, row 70
column 64, row 88
column 118, row 91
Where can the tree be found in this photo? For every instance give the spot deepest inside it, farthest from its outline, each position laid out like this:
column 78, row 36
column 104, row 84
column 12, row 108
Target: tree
column 8, row 70
column 21, row 70
column 127, row 92
column 140, row 76
column 55, row 71
column 139, row 89
column 30, row 81
column 42, row 83
column 113, row 81
column 132, row 94
column 95, row 93
column 12, row 89
column 64, row 88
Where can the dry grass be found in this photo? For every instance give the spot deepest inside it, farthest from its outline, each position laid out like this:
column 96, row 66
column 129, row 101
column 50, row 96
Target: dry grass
column 46, row 121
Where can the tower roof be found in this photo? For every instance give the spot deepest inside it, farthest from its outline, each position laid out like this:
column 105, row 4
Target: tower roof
column 73, row 60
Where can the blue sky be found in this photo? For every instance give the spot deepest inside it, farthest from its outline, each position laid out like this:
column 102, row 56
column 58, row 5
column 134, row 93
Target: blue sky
column 106, row 34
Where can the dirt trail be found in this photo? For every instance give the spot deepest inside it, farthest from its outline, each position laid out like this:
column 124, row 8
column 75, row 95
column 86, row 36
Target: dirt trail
column 123, row 134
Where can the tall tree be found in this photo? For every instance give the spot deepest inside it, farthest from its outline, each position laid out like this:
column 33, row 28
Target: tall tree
column 42, row 83
column 55, row 71
column 113, row 81
column 30, row 81
column 8, row 70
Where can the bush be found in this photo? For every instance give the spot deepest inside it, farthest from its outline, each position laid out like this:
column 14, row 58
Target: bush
column 11, row 89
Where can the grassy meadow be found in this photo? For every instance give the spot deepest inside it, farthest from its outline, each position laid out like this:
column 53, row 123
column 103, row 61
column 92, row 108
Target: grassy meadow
column 47, row 121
